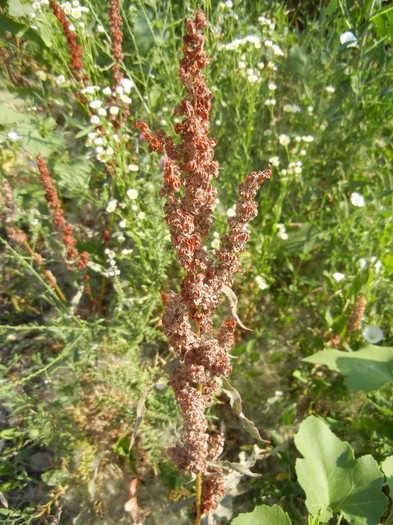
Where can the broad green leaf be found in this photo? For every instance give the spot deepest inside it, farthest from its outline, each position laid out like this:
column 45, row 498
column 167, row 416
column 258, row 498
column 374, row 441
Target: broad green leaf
column 263, row 515
column 73, row 178
column 334, row 480
column 387, row 468
column 18, row 8
column 20, row 30
column 367, row 369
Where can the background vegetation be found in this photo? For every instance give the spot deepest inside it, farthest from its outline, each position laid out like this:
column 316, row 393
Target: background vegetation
column 306, row 87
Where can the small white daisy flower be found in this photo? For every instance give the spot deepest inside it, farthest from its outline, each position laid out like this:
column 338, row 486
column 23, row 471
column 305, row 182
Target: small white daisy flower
column 95, row 119
column 124, row 98
column 95, row 104
column 102, row 112
column 111, row 206
column 216, row 244
column 330, row 89
column 284, row 139
column 133, row 167
column 338, row 276
column 107, row 91
column 60, row 80
column 261, row 282
column 132, row 194
column 307, row 138
column 102, row 157
column 274, row 161
column 231, row 212
column 114, row 110
column 122, row 224
column 267, row 132
column 141, row 215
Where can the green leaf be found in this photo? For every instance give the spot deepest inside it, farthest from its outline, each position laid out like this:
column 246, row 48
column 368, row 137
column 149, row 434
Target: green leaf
column 17, row 8
column 263, row 515
column 387, row 468
column 73, row 178
column 334, row 480
column 20, row 30
column 367, row 369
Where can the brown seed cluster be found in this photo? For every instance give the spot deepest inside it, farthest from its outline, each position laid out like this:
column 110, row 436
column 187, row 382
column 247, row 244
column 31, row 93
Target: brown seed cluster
column 74, row 48
column 117, row 38
column 357, row 314
column 54, row 202
column 190, row 201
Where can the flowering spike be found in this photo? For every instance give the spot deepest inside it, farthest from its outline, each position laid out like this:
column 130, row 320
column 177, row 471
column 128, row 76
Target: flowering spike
column 190, row 200
column 74, row 48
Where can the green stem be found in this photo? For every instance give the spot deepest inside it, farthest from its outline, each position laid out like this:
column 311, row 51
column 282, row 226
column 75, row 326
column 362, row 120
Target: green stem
column 198, row 482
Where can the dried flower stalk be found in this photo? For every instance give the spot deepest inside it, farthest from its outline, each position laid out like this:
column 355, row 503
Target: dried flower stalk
column 117, row 38
column 187, row 322
column 74, row 48
column 54, row 202
column 7, row 217
column 357, row 314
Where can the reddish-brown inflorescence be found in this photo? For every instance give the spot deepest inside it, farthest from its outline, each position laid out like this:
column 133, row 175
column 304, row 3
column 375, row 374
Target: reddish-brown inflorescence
column 117, row 38
column 73, row 46
column 55, row 203
column 189, row 169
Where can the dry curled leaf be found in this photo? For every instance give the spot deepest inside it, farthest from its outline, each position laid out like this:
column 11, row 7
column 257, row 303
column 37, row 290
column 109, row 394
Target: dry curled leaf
column 235, row 401
column 233, row 304
column 131, row 506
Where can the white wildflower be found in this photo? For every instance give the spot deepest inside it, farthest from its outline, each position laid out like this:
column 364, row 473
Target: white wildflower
column 274, row 161
column 330, row 89
column 133, row 167
column 95, row 119
column 348, row 39
column 114, row 110
column 231, row 212
column 14, row 135
column 357, row 199
column 372, row 334
column 111, row 206
column 284, row 139
column 132, row 194
column 338, row 276
column 261, row 282
column 95, row 104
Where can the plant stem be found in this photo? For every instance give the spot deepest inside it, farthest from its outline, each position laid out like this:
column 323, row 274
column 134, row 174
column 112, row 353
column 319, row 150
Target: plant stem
column 45, row 272
column 198, row 482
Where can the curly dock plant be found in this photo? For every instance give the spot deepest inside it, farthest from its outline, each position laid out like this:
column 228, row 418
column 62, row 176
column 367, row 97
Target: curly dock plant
column 188, row 320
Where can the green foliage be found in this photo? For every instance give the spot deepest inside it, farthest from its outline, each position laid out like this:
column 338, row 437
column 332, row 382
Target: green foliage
column 334, row 480
column 263, row 515
column 367, row 369
column 73, row 374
